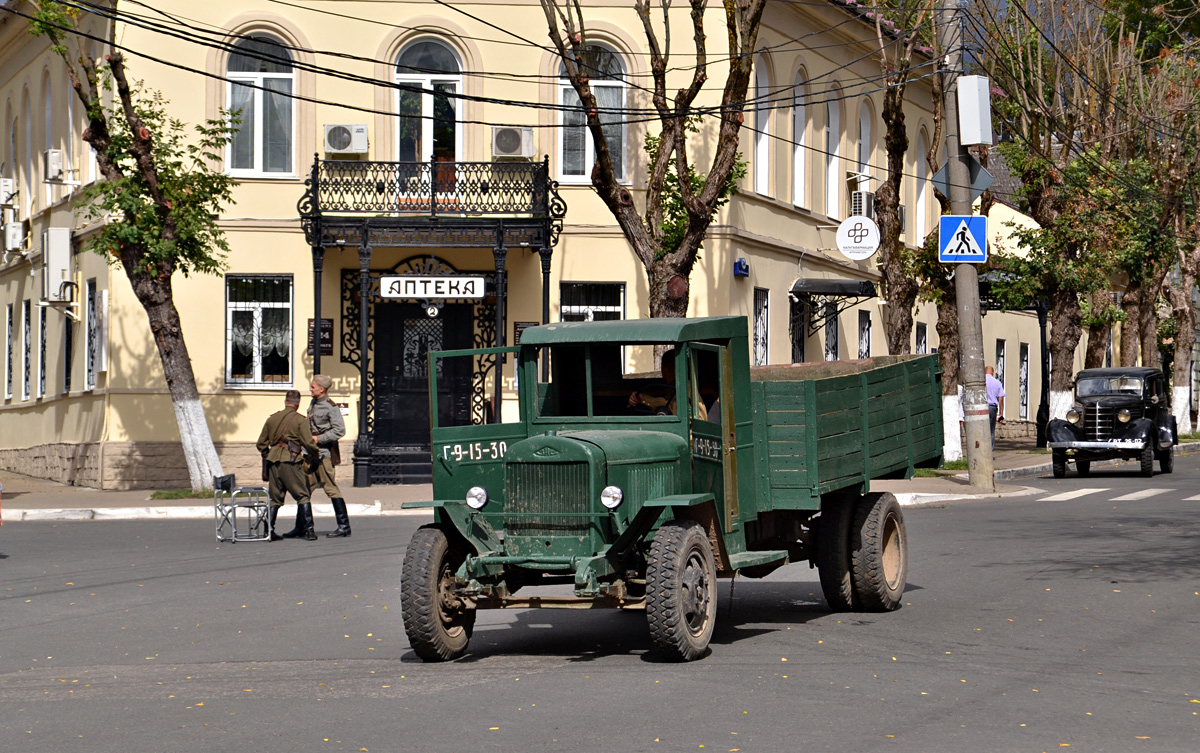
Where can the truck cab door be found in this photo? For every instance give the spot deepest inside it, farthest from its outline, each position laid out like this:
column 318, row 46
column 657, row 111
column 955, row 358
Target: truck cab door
column 712, row 429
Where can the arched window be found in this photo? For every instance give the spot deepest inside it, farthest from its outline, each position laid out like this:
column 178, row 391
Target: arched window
column 48, row 128
column 27, row 155
column 261, row 83
column 430, row 77
column 577, row 152
column 864, row 143
column 799, row 143
column 833, row 160
column 922, row 183
column 762, row 125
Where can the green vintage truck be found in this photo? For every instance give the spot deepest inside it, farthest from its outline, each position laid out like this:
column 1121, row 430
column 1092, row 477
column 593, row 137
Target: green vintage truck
column 639, row 490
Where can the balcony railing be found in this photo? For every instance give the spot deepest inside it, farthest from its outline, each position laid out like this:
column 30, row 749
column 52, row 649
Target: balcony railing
column 433, row 188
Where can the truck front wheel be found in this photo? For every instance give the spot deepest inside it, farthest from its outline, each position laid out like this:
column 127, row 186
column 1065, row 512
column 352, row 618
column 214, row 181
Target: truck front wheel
column 880, row 551
column 681, row 591
column 437, row 622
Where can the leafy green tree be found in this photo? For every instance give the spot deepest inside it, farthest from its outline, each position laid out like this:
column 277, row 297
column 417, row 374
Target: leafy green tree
column 160, row 195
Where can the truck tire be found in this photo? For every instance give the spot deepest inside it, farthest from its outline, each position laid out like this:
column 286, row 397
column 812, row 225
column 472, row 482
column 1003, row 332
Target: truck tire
column 437, row 623
column 833, row 552
column 1083, row 466
column 879, row 543
column 1166, row 460
column 681, row 591
column 1147, row 459
column 1058, row 458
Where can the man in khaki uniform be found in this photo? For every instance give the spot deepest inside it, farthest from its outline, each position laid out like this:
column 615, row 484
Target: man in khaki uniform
column 325, row 420
column 285, row 442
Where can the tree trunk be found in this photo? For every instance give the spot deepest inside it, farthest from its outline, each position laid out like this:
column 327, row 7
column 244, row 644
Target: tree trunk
column 155, row 295
column 901, row 291
column 1180, row 298
column 1149, row 326
column 1098, row 331
column 1066, row 317
column 947, row 329
column 1131, row 327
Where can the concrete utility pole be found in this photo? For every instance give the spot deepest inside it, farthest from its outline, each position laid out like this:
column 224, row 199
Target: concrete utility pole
column 966, row 277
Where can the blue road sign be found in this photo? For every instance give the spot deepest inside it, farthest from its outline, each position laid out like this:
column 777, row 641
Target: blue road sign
column 962, row 239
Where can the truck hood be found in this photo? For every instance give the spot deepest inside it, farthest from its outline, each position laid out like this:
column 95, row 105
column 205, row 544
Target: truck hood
column 613, row 447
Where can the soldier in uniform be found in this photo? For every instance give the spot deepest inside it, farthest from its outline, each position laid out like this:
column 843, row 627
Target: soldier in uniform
column 285, row 443
column 325, row 420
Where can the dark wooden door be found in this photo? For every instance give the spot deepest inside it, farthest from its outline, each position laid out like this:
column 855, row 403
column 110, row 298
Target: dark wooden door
column 404, row 335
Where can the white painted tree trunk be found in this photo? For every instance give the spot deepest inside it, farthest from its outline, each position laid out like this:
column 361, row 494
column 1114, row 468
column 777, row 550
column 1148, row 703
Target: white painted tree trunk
column 1060, row 402
column 1181, row 407
column 952, row 447
column 202, row 461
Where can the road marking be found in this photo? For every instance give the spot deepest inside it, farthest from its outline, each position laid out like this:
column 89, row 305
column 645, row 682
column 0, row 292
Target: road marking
column 1063, row 497
column 1192, row 499
column 1143, row 494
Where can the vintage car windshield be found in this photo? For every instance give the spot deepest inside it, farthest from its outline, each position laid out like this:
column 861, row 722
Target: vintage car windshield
column 1094, row 386
column 595, row 380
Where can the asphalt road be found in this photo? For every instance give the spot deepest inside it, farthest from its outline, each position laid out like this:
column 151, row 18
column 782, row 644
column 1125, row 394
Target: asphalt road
column 1063, row 618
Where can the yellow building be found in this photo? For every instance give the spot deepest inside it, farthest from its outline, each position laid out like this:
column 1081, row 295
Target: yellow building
column 447, row 154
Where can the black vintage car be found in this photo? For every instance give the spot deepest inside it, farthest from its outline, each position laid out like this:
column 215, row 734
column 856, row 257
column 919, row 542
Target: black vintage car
column 1118, row 413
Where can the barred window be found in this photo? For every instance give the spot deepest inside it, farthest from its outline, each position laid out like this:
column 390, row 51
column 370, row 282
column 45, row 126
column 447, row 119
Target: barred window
column 8, row 351
column 93, row 336
column 831, row 332
column 864, row 334
column 27, row 349
column 258, row 330
column 922, row 338
column 761, row 303
column 41, row 383
column 68, row 352
column 591, row 301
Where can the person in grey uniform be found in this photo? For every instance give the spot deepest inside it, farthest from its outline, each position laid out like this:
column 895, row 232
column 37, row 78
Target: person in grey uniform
column 325, row 420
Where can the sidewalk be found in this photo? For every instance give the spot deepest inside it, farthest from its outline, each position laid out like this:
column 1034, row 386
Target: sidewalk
column 28, row 498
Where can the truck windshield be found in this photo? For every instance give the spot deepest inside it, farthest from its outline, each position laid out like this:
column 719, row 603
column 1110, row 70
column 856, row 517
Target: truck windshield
column 1094, row 386
column 603, row 379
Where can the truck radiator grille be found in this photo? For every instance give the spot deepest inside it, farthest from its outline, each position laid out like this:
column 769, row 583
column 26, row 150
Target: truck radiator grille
column 1098, row 421
column 547, row 499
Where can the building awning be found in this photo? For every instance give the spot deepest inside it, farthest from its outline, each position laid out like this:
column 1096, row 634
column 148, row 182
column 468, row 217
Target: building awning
column 840, row 288
column 824, row 299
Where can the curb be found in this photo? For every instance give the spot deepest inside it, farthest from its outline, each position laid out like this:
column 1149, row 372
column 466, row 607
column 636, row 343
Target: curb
column 191, row 512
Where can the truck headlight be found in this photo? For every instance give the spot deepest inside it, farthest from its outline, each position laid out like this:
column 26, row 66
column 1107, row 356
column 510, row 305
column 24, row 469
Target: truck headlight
column 1124, row 415
column 611, row 497
column 1073, row 416
column 477, row 497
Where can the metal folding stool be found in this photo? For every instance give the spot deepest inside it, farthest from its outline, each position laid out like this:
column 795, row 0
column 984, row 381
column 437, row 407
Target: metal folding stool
column 254, row 504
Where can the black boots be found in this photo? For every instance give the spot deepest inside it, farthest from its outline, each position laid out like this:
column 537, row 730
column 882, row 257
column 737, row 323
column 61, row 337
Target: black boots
column 304, row 525
column 342, row 517
column 274, row 514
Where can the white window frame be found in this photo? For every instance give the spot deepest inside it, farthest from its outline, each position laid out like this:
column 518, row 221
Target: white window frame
column 8, row 351
column 762, row 131
column 864, row 144
column 864, row 333
column 589, row 144
column 258, row 81
column 799, row 145
column 426, row 84
column 257, row 307
column 833, row 161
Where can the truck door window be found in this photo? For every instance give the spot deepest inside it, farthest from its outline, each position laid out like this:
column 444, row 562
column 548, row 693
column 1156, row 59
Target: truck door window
column 704, row 385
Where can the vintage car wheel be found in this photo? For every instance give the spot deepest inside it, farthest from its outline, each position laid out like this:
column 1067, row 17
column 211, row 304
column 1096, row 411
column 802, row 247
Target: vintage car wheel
column 681, row 591
column 437, row 622
column 1147, row 459
column 1166, row 460
column 879, row 543
column 833, row 552
column 1058, row 459
column 1084, row 467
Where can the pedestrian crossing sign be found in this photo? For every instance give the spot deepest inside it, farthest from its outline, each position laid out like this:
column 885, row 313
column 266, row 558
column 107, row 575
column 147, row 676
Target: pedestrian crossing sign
column 962, row 239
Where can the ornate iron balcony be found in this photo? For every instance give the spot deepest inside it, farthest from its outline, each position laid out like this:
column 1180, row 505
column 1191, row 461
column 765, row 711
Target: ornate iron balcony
column 432, row 188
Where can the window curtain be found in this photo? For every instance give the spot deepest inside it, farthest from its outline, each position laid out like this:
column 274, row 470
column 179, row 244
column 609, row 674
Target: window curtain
column 242, row 148
column 277, row 126
column 611, row 116
column 276, row 333
column 573, row 135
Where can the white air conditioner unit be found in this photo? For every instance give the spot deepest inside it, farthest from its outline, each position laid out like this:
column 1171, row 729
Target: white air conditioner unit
column 56, row 264
column 52, row 166
column 862, row 204
column 346, row 138
column 14, row 237
column 8, row 190
column 512, row 141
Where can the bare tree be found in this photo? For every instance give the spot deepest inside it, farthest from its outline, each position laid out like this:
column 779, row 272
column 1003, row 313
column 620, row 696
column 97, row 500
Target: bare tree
column 680, row 202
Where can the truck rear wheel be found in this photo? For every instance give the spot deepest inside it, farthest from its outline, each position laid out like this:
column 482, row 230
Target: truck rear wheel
column 1166, row 460
column 437, row 622
column 1147, row 459
column 880, row 551
column 1058, row 458
column 681, row 591
column 833, row 552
